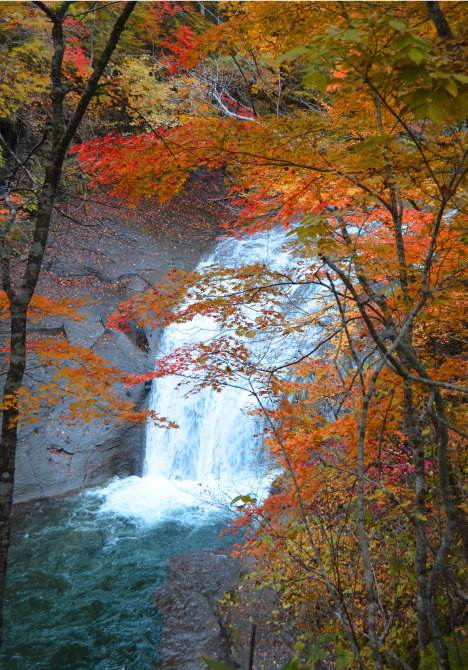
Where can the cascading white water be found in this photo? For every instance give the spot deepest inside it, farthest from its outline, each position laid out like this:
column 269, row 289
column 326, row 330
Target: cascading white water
column 215, row 444
column 215, row 437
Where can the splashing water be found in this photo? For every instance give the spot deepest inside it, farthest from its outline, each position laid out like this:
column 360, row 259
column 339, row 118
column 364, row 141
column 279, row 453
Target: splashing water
column 215, row 448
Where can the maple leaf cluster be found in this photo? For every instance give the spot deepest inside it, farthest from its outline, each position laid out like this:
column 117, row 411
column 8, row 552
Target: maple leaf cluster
column 347, row 126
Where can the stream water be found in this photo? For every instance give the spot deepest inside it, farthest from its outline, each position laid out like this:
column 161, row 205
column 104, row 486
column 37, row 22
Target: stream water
column 82, row 572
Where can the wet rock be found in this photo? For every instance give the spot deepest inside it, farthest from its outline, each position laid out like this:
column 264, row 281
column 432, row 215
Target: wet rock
column 189, row 626
column 138, row 336
column 191, row 612
column 279, row 486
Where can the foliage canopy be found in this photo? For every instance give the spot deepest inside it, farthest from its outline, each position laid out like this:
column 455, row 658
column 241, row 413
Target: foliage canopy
column 345, row 123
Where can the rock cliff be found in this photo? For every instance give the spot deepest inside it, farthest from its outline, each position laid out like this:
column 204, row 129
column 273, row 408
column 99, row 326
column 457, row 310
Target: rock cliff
column 120, row 252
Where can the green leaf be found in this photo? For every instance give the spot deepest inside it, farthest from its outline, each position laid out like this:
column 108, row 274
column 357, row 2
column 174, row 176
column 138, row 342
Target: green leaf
column 343, row 659
column 290, row 55
column 424, row 74
column 462, row 106
column 461, row 77
column 315, row 654
column 292, row 664
column 370, row 144
column 320, row 80
column 309, row 231
column 236, row 499
column 451, row 87
column 403, row 42
column 295, row 664
column 435, row 113
column 213, row 663
column 352, row 34
column 418, row 97
column 410, row 75
column 421, row 111
column 416, row 55
column 398, row 25
column 421, row 43
column 421, row 517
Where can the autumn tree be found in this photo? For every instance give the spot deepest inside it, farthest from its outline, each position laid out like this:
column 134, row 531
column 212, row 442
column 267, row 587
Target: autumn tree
column 57, row 131
column 346, row 123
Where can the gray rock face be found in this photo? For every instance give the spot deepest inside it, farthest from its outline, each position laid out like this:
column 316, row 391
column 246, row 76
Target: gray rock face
column 56, row 459
column 190, row 628
column 106, row 263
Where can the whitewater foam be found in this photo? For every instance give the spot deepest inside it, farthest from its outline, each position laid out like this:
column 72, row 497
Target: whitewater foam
column 216, row 453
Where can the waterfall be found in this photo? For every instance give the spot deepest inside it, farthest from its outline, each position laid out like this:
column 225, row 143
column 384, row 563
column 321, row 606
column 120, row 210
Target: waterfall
column 215, row 438
column 216, row 442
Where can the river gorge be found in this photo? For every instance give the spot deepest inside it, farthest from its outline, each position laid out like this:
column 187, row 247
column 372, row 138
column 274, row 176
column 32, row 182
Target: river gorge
column 83, row 571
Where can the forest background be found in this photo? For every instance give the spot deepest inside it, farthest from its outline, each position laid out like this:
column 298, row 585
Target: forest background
column 344, row 122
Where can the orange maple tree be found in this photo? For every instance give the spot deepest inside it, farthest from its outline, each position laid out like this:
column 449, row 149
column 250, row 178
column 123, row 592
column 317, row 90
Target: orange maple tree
column 345, row 123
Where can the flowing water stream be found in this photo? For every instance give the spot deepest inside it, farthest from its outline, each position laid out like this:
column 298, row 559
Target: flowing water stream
column 82, row 572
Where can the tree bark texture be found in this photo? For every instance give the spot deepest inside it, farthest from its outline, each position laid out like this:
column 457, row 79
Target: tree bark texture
column 438, row 19
column 366, row 558
column 417, row 450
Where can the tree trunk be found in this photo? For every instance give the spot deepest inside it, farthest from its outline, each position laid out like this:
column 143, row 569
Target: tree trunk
column 19, row 302
column 429, row 594
column 417, row 450
column 9, row 438
column 438, row 19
